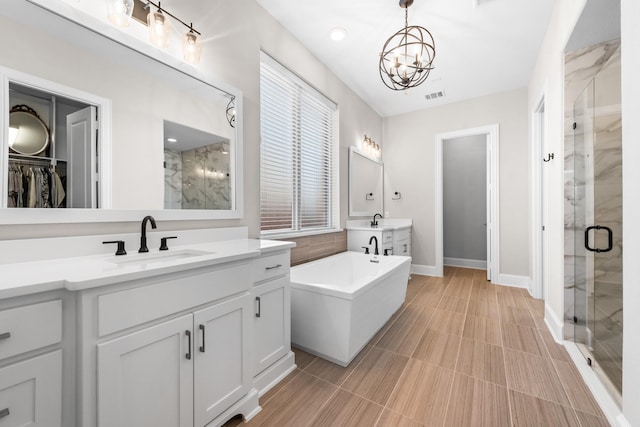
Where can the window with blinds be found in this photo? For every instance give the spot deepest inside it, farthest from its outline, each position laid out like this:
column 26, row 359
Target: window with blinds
column 298, row 155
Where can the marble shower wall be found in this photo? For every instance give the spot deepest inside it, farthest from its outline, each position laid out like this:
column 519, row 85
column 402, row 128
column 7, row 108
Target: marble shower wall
column 198, row 178
column 590, row 74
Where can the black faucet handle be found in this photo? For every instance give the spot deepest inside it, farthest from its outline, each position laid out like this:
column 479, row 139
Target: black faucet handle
column 163, row 242
column 120, row 243
column 366, row 250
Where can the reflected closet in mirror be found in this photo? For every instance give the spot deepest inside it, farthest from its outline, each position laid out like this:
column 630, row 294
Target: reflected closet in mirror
column 51, row 150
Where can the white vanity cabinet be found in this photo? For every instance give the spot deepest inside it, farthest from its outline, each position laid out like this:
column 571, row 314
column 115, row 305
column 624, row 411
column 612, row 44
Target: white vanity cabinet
column 272, row 356
column 182, row 372
column 171, row 351
column 31, row 365
column 402, row 242
column 393, row 236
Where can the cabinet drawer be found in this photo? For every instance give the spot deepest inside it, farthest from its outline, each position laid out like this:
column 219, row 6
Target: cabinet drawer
column 270, row 266
column 387, row 237
column 30, row 392
column 403, row 247
column 30, row 327
column 121, row 310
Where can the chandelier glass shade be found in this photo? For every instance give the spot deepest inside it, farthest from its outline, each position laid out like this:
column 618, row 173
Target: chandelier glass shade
column 407, row 56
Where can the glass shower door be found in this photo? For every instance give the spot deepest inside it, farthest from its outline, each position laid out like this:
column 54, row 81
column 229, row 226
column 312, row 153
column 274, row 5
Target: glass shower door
column 598, row 227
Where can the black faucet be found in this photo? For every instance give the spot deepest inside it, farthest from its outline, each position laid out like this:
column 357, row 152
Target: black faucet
column 374, row 223
column 375, row 239
column 143, row 234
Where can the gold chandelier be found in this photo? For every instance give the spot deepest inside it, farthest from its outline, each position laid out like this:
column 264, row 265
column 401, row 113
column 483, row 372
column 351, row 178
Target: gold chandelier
column 407, row 56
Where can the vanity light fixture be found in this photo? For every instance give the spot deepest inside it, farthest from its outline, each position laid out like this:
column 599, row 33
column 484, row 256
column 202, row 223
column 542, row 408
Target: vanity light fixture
column 407, row 56
column 119, row 12
column 370, row 148
column 231, row 112
column 157, row 19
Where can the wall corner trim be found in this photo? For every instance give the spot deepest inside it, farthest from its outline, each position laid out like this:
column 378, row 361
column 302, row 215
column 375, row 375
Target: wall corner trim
column 554, row 324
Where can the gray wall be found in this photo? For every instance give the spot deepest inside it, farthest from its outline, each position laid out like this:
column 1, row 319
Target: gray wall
column 465, row 197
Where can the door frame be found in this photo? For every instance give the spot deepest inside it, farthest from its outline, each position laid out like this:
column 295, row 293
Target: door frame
column 538, row 136
column 493, row 197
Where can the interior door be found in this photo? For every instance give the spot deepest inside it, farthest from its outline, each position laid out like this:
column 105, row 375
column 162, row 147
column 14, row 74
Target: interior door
column 82, row 171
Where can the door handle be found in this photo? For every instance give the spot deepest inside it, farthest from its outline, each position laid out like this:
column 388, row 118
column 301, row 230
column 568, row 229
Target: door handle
column 609, row 238
column 188, row 355
column 4, row 412
column 202, row 346
column 5, row 336
column 259, row 312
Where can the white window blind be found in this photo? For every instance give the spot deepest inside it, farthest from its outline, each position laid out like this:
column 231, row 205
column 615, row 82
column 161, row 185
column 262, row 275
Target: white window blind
column 298, row 155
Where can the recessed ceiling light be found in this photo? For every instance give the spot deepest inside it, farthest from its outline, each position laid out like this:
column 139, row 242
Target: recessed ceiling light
column 338, row 34
column 172, row 140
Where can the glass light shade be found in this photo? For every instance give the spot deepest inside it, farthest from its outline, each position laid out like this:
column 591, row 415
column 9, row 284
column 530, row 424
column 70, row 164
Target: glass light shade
column 119, row 12
column 159, row 29
column 192, row 47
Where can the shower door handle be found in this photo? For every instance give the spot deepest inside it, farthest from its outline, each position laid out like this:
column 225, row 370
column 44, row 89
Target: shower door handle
column 598, row 227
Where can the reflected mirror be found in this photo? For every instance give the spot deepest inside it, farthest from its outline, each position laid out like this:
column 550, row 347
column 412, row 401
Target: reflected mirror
column 28, row 134
column 138, row 102
column 365, row 185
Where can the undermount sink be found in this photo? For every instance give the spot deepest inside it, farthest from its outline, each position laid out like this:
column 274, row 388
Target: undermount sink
column 157, row 257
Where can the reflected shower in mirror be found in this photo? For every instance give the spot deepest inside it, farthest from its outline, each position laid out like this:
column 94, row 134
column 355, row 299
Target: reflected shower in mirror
column 197, row 169
column 365, row 185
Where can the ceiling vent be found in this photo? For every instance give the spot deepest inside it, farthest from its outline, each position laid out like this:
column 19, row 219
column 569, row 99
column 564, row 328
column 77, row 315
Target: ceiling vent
column 435, row 95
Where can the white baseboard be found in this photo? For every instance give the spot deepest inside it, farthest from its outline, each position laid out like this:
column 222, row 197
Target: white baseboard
column 512, row 280
column 606, row 402
column 466, row 263
column 554, row 324
column 425, row 270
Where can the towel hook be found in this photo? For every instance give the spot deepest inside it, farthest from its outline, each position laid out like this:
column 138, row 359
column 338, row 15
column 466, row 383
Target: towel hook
column 549, row 157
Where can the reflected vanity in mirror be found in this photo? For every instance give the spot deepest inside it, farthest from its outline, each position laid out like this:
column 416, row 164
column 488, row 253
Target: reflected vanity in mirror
column 138, row 94
column 365, row 185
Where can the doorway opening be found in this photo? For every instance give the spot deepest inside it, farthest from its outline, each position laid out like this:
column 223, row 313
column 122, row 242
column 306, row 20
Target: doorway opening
column 465, row 220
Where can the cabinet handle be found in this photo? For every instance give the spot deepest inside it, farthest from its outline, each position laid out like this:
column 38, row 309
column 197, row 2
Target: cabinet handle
column 202, row 346
column 188, row 355
column 5, row 336
column 259, row 307
column 4, row 412
column 273, row 267
column 405, row 247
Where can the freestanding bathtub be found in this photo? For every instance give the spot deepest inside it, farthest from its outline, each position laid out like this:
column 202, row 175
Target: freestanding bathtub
column 338, row 303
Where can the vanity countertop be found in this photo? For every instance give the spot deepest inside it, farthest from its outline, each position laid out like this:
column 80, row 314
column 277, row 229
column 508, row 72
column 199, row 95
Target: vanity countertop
column 383, row 224
column 85, row 272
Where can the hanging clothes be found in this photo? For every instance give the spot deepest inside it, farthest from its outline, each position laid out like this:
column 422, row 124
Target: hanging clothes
column 34, row 187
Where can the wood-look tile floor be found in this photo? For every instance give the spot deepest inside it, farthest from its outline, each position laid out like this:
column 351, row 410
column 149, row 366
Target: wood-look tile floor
column 460, row 352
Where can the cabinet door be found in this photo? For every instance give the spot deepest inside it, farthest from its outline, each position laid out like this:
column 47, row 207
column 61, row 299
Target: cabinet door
column 221, row 357
column 30, row 392
column 272, row 326
column 146, row 378
column 403, row 247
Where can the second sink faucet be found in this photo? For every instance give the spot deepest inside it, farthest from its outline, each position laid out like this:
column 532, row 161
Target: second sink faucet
column 374, row 239
column 143, row 234
column 374, row 223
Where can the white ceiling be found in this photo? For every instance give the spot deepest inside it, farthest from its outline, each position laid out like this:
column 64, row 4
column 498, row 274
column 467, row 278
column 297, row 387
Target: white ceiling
column 482, row 46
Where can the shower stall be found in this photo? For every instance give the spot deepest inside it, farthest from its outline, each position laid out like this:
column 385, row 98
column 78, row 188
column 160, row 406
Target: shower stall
column 593, row 171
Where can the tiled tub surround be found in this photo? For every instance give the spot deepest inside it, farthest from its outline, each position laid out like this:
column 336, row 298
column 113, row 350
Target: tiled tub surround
column 581, row 67
column 460, row 352
column 198, row 178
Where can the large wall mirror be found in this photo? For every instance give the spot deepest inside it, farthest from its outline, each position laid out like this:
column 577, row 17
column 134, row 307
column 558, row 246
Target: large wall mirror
column 154, row 115
column 365, row 185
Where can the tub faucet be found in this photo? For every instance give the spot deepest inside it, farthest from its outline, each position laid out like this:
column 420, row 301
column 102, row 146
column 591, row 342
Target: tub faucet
column 143, row 234
column 374, row 239
column 374, row 222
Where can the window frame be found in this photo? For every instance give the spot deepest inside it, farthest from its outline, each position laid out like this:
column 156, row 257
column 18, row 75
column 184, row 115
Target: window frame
column 333, row 204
